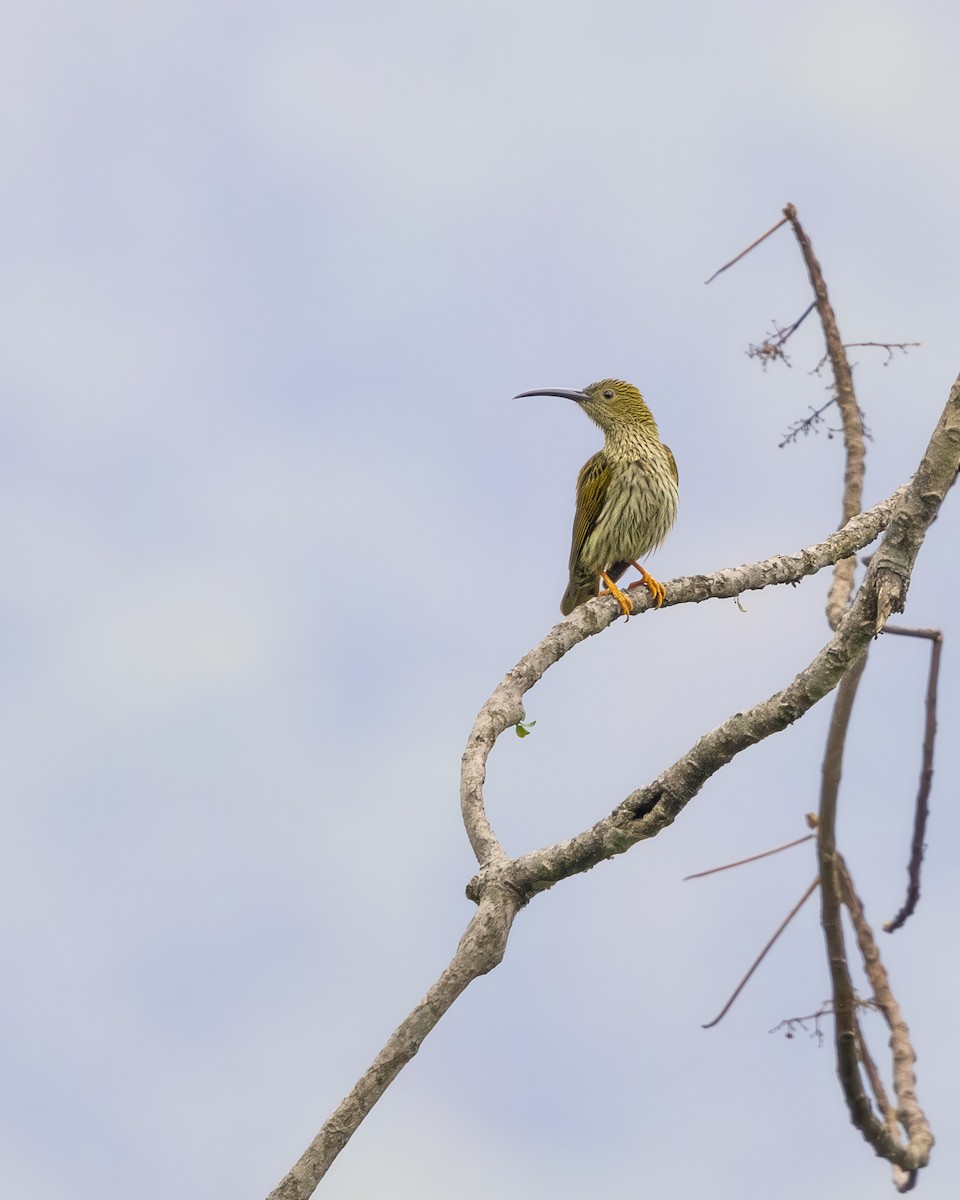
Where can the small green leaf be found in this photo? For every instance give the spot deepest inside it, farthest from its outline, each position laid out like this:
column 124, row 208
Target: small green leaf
column 523, row 728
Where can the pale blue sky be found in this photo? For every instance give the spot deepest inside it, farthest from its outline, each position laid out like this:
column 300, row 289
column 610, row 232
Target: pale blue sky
column 273, row 529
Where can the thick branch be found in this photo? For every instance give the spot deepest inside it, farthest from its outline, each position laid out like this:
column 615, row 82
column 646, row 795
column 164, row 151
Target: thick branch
column 505, row 707
column 480, row 950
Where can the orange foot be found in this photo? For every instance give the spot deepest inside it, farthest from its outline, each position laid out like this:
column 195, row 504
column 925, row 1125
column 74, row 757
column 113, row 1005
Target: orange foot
column 647, row 580
column 624, row 601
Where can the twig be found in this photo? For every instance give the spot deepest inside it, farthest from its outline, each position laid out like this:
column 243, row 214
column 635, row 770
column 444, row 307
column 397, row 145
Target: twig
column 771, row 347
column 926, row 772
column 763, row 953
column 791, row 1022
column 888, row 346
column 744, row 253
column 807, row 424
column 753, row 858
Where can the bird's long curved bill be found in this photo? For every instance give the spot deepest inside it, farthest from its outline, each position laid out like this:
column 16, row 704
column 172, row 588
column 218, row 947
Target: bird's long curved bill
column 563, row 393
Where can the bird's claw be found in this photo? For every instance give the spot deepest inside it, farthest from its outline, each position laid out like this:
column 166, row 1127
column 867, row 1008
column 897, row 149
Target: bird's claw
column 657, row 590
column 621, row 598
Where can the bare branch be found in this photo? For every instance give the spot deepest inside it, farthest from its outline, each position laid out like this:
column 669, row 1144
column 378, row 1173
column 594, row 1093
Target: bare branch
column 647, row 811
column 808, row 424
column 744, row 253
column 741, row 862
column 903, row 1180
column 926, row 772
column 846, row 1027
column 837, row 887
column 903, row 347
column 841, row 589
column 837, row 892
column 916, row 1152
column 502, row 886
column 790, row 1023
column 505, row 706
column 480, row 950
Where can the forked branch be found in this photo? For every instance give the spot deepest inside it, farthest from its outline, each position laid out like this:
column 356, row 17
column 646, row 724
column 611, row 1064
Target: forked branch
column 503, row 885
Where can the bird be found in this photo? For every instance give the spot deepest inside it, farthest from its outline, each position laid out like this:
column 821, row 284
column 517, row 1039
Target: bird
column 627, row 494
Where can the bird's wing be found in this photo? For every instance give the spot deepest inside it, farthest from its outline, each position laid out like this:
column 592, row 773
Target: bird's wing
column 592, row 483
column 673, row 464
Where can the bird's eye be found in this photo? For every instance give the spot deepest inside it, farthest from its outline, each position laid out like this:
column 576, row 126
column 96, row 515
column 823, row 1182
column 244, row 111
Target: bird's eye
column 608, row 393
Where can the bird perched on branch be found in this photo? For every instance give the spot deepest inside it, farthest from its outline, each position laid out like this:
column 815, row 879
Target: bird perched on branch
column 626, row 494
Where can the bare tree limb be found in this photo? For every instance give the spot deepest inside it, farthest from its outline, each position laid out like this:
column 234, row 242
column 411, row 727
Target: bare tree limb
column 837, row 888
column 503, row 885
column 836, row 885
column 847, row 1037
column 480, row 950
column 837, row 892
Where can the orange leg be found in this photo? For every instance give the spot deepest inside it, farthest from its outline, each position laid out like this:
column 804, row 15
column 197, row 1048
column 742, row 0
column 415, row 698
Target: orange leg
column 624, row 601
column 647, row 580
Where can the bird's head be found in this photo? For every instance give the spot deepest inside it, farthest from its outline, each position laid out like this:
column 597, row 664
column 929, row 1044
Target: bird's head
column 612, row 403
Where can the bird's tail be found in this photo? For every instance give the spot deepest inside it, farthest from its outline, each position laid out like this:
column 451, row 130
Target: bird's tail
column 580, row 589
column 584, row 585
